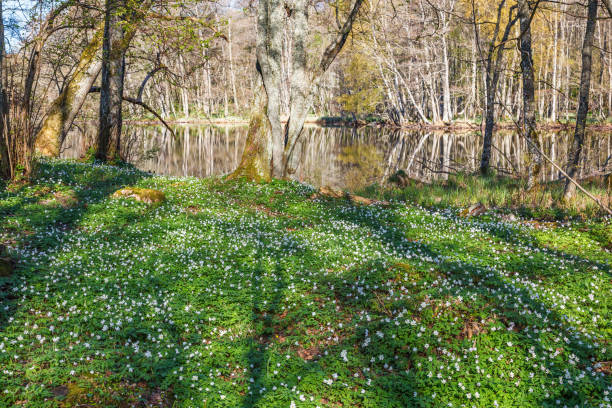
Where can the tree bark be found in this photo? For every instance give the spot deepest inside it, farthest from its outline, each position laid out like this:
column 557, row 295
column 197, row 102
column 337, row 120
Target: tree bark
column 553, row 108
column 583, row 99
column 231, row 66
column 529, row 116
column 255, row 163
column 269, row 53
column 5, row 163
column 65, row 107
column 447, row 115
column 269, row 148
column 492, row 74
column 111, row 89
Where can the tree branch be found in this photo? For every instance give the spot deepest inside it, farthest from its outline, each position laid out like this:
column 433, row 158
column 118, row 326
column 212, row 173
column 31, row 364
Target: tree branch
column 146, row 79
column 608, row 6
column 140, row 103
column 147, row 107
column 334, row 48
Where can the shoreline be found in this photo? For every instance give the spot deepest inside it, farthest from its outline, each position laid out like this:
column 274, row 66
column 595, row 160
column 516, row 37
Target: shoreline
column 455, row 126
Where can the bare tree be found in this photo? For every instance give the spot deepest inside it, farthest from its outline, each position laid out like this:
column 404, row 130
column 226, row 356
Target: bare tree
column 20, row 74
column 583, row 99
column 525, row 14
column 493, row 68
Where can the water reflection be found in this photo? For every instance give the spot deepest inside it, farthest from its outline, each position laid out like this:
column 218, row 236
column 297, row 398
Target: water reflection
column 341, row 157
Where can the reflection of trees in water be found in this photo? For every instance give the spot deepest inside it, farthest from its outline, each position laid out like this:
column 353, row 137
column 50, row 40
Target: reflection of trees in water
column 343, row 157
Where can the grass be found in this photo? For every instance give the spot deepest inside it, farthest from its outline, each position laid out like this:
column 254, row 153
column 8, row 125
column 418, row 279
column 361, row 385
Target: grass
column 234, row 294
column 505, row 194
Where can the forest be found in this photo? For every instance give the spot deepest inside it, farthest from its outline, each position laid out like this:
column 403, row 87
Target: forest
column 305, row 203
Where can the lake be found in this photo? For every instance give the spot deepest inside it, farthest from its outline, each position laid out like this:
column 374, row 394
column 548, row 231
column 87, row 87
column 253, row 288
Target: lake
column 340, row 157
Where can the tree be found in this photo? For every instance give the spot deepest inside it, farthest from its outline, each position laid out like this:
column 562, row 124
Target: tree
column 363, row 87
column 493, row 67
column 269, row 146
column 525, row 14
column 113, row 73
column 20, row 72
column 6, row 171
column 583, row 99
column 66, row 106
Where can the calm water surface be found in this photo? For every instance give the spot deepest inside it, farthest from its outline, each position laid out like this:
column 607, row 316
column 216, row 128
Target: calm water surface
column 345, row 158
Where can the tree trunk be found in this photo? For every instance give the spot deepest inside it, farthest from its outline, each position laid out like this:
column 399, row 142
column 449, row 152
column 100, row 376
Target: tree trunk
column 111, row 89
column 66, row 106
column 231, row 67
column 255, row 163
column 485, row 161
column 553, row 108
column 448, row 113
column 583, row 99
column 493, row 71
column 5, row 162
column 263, row 149
column 268, row 149
column 529, row 117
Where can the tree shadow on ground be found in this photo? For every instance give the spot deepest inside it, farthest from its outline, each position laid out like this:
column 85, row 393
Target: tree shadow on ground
column 38, row 216
column 506, row 296
column 249, row 288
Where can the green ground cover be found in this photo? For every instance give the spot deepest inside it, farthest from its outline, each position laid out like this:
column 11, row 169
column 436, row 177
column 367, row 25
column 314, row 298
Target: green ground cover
column 234, row 294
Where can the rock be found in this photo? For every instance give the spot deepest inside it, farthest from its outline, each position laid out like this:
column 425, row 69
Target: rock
column 145, row 195
column 509, row 217
column 474, row 210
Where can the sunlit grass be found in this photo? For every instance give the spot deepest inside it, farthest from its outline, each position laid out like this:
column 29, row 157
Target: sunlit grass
column 503, row 193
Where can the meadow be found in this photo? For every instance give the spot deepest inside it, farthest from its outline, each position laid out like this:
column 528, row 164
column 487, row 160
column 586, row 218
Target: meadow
column 237, row 294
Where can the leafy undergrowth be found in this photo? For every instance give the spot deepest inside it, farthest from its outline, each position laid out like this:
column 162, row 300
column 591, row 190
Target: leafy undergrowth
column 234, row 294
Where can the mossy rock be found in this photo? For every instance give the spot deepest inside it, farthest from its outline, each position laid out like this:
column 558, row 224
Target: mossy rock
column 145, row 195
column 65, row 199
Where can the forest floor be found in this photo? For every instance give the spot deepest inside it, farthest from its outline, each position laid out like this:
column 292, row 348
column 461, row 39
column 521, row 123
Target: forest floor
column 235, row 294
